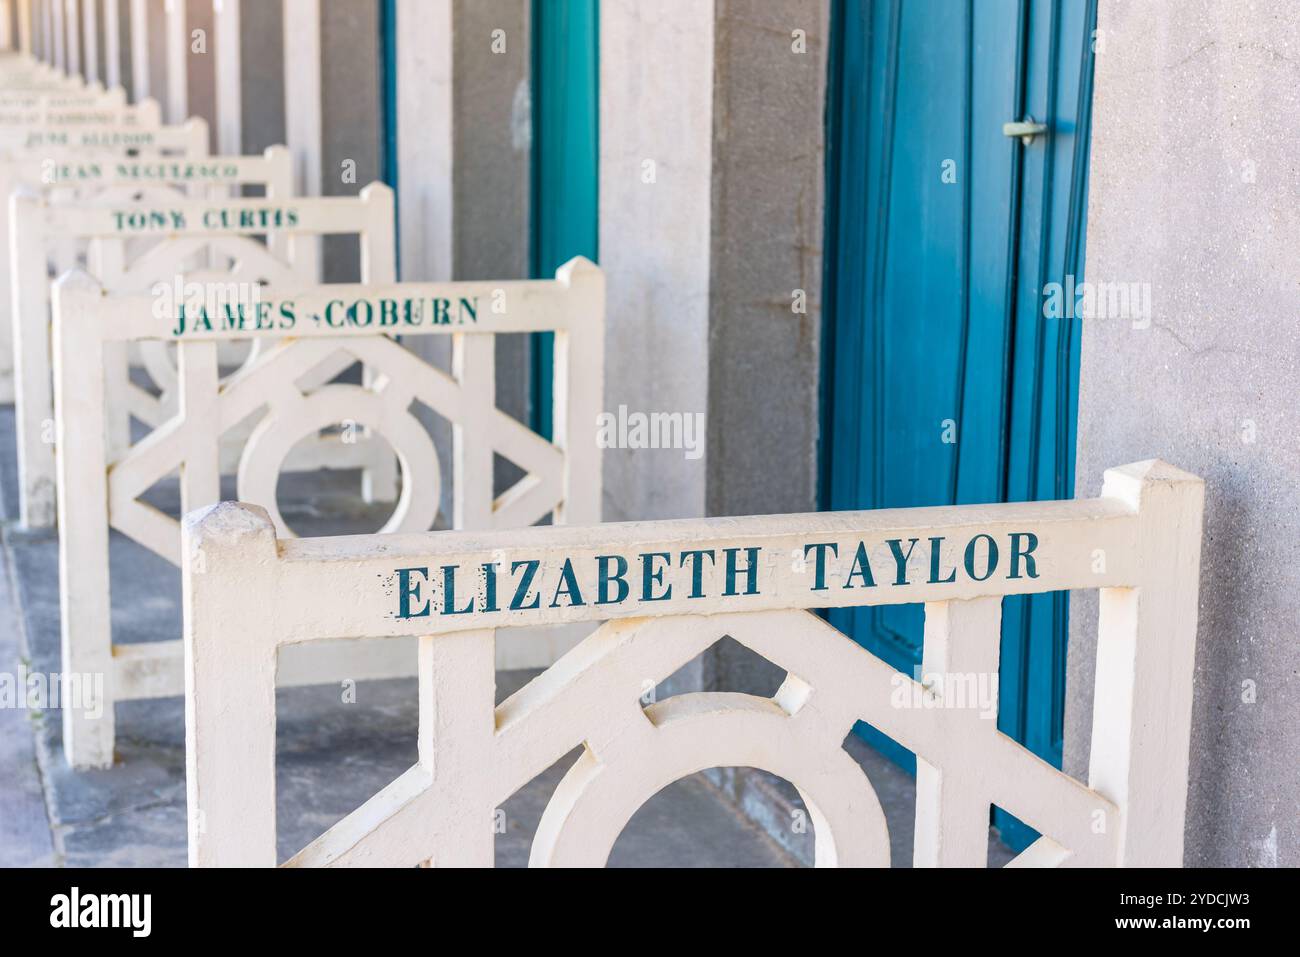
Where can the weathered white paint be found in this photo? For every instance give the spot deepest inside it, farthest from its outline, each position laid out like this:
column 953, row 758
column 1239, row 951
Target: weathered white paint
column 288, row 260
column 98, row 491
column 249, row 595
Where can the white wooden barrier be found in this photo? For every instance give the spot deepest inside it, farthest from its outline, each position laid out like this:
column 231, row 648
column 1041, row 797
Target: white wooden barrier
column 56, row 116
column 108, row 174
column 666, row 591
column 182, row 231
column 346, row 323
column 92, row 95
column 144, row 135
column 23, row 73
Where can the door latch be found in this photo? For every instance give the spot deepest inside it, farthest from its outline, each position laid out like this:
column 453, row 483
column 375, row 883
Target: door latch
column 1026, row 129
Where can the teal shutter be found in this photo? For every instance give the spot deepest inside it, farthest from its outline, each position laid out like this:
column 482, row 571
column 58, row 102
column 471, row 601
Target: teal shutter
column 941, row 234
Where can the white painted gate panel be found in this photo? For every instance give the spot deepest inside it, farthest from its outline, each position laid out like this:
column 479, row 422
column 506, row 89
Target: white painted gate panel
column 338, row 324
column 249, row 595
column 99, row 175
column 288, row 259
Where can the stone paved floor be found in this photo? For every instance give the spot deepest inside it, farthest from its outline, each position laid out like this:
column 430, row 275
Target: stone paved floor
column 331, row 756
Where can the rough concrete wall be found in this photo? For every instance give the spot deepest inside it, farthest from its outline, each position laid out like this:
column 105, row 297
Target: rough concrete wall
column 492, row 138
column 768, row 145
column 462, row 185
column 261, row 63
column 350, row 115
column 1194, row 185
column 656, row 82
column 491, row 164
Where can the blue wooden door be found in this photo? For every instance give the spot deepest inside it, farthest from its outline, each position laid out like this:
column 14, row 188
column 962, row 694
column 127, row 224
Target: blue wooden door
column 943, row 381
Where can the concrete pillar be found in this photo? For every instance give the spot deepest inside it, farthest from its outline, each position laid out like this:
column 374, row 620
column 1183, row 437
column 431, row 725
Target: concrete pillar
column 656, row 156
column 191, row 78
column 228, row 75
column 700, row 104
column 72, row 24
column 768, row 171
column 91, row 40
column 333, row 107
column 710, row 218
column 425, row 139
column 58, row 35
column 764, row 353
column 148, row 49
column 36, row 17
column 46, row 19
column 492, row 165
column 116, row 27
column 302, row 91
column 175, row 98
column 248, row 75
column 1193, row 183
column 463, row 144
column 426, row 199
column 24, row 24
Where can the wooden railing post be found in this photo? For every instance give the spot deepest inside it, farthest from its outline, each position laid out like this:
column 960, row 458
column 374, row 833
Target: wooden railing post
column 228, row 576
column 952, row 808
column 1146, row 654
column 85, row 607
column 579, row 393
column 32, row 388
